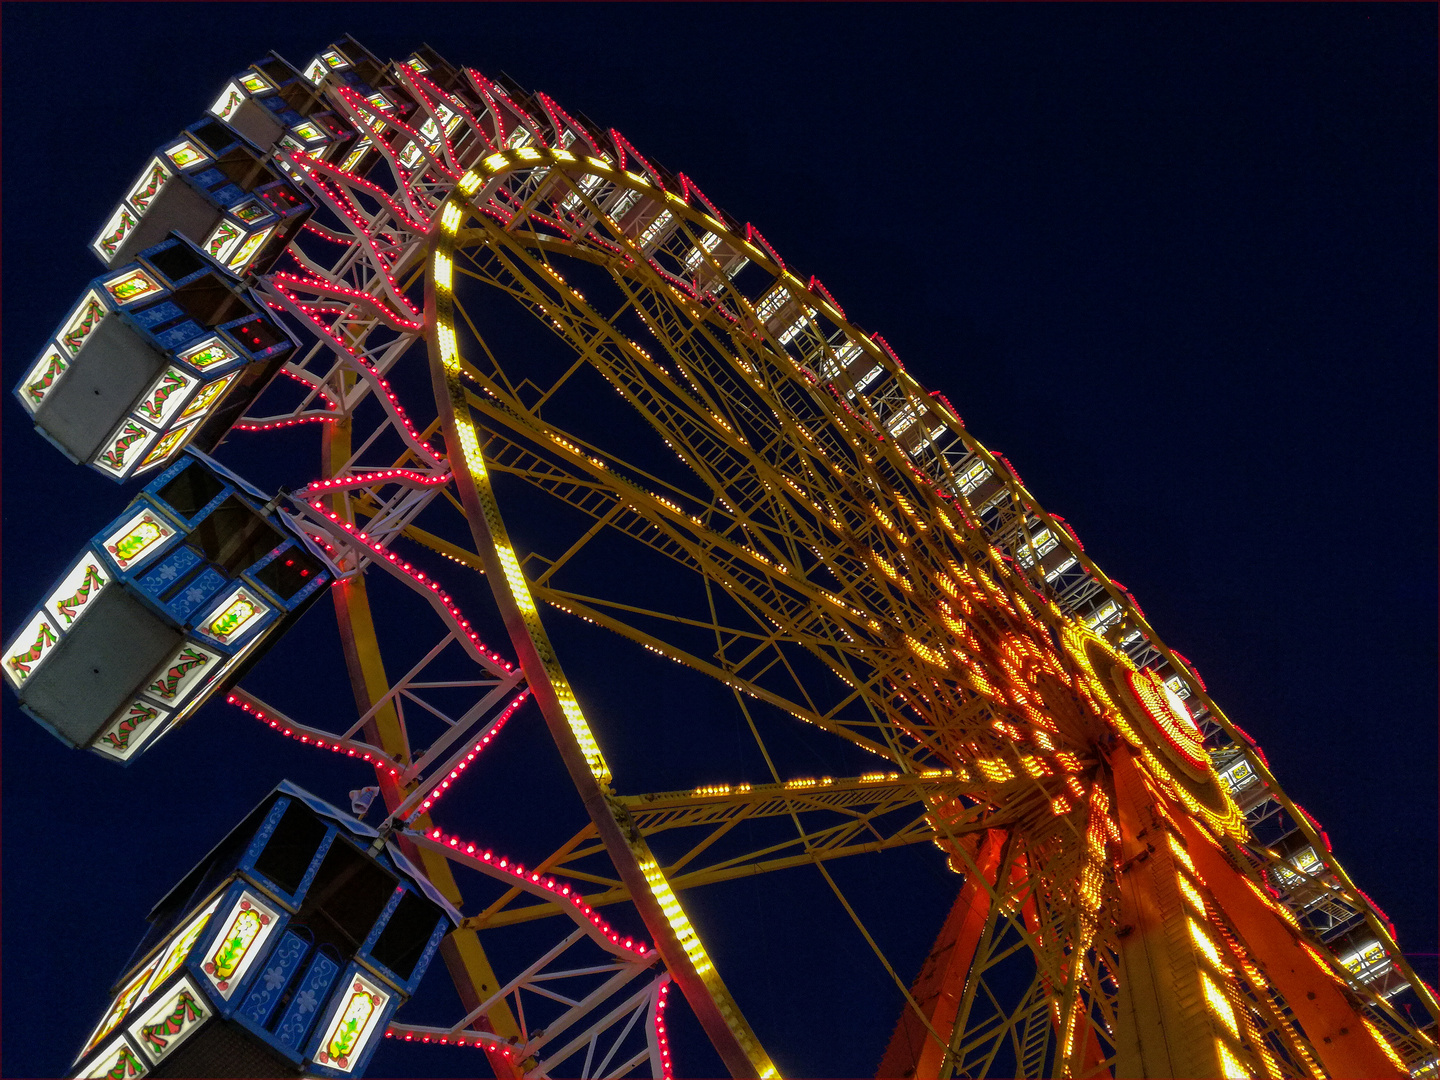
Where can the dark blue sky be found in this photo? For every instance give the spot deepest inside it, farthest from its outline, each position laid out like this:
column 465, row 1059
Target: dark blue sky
column 1178, row 262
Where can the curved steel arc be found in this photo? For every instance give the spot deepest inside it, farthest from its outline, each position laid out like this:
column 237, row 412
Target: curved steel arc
column 675, row 937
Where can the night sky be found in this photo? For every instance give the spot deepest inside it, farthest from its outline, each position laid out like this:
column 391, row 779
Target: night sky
column 1178, row 262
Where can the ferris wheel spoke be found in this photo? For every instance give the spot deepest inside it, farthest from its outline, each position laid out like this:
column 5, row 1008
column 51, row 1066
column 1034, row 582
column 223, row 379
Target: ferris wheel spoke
column 291, row 728
column 674, row 530
column 726, row 673
column 772, row 549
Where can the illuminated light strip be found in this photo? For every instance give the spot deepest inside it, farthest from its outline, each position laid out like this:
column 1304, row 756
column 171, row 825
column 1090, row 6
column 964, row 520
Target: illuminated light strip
column 1384, row 1045
column 622, row 145
column 1230, row 1069
column 995, row 770
column 367, row 370
column 319, row 389
column 1324, row 963
column 666, row 1066
column 473, row 459
column 1179, row 852
column 324, row 287
column 535, row 882
column 311, row 737
column 752, row 235
column 815, row 286
column 1220, row 1006
column 1203, row 942
column 360, row 105
column 1324, row 837
column 1191, row 894
column 441, row 1037
column 484, row 741
column 418, row 577
column 345, row 207
column 328, row 234
column 319, row 487
column 679, row 921
column 442, row 274
column 273, row 424
column 1178, row 656
column 469, row 183
column 1273, row 904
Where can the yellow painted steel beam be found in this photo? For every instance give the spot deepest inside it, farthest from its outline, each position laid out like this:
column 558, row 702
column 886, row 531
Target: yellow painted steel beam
column 718, row 813
column 675, row 938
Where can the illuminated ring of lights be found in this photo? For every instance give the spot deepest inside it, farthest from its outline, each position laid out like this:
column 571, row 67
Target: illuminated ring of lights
column 1199, row 790
column 1168, row 716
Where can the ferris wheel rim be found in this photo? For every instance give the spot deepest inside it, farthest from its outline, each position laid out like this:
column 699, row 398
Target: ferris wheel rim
column 686, row 960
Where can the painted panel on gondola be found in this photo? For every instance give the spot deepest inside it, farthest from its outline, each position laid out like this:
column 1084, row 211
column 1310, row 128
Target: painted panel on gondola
column 77, row 591
column 179, row 947
column 170, row 1020
column 29, row 648
column 42, row 377
column 190, row 667
column 236, row 616
column 356, row 1019
column 245, row 928
column 120, row 1007
column 118, row 1061
column 143, row 536
column 129, row 731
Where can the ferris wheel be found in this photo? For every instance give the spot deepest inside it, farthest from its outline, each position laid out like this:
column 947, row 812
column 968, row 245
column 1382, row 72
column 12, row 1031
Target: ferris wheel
column 686, row 449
